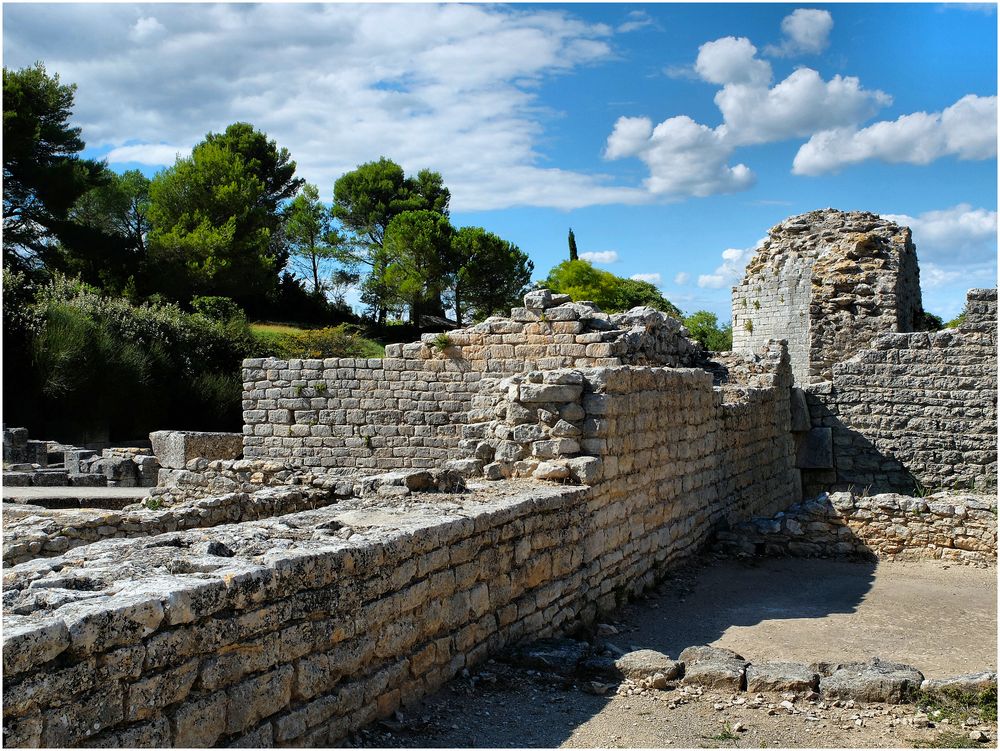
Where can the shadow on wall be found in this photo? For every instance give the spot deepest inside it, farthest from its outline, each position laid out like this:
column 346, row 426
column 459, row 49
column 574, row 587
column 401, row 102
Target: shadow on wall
column 833, row 456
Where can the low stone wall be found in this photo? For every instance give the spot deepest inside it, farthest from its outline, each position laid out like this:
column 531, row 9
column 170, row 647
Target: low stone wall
column 914, row 411
column 959, row 528
column 33, row 532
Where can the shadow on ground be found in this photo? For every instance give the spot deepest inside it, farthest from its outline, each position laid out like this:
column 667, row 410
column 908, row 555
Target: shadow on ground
column 499, row 706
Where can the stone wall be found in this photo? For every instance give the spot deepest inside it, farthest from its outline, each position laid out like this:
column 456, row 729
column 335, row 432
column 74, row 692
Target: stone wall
column 828, row 281
column 297, row 629
column 407, row 410
column 958, row 528
column 915, row 410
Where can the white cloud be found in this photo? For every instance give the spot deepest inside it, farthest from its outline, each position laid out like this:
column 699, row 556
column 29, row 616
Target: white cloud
column 684, row 158
column 654, row 278
column 148, row 153
column 637, row 19
column 682, row 278
column 600, row 256
column 966, row 129
column 956, row 236
column 806, row 31
column 730, row 271
column 451, row 87
column 146, row 27
column 797, row 106
column 732, row 60
column 933, row 276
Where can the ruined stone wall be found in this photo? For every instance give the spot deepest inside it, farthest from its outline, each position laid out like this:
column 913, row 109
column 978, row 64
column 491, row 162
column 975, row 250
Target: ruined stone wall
column 297, row 629
column 958, row 528
column 827, row 281
column 915, row 410
column 407, row 410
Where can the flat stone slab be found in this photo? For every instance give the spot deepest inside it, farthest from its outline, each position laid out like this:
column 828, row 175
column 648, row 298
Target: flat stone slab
column 174, row 448
column 726, row 673
column 873, row 681
column 560, row 656
column 781, row 676
column 970, row 683
column 645, row 663
column 693, row 655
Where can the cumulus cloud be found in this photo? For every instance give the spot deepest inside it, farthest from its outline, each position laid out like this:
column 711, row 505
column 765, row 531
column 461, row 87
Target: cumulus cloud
column 806, row 32
column 684, row 158
column 732, row 60
column 956, row 236
column 682, row 278
column 966, row 129
column 654, row 278
column 600, row 256
column 730, row 271
column 451, row 87
column 797, row 106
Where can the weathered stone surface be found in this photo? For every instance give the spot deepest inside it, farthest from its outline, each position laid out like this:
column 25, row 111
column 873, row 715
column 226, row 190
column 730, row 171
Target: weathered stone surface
column 726, row 674
column 645, row 663
column 175, row 448
column 815, row 449
column 969, row 683
column 888, row 682
column 696, row 654
column 552, row 655
column 781, row 677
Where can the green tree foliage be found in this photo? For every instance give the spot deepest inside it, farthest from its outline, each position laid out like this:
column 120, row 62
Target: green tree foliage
column 930, row 322
column 417, row 264
column 954, row 323
column 309, row 235
column 87, row 365
column 573, row 256
column 216, row 224
column 491, row 274
column 105, row 242
column 365, row 201
column 581, row 281
column 703, row 327
column 42, row 174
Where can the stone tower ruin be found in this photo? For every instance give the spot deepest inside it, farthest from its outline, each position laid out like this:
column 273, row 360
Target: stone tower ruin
column 828, row 282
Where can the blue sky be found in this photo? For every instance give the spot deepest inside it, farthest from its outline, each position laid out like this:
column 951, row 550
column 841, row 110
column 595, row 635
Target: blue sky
column 669, row 136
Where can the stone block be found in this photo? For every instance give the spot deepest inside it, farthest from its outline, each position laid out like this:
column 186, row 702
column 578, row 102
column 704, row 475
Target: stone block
column 645, row 663
column 174, row 448
column 815, row 449
column 781, row 676
column 801, row 420
column 873, row 681
column 533, row 393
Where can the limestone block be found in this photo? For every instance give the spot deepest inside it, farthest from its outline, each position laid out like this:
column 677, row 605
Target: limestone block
column 174, row 448
column 645, row 663
column 873, row 681
column 531, row 393
column 815, row 449
column 781, row 676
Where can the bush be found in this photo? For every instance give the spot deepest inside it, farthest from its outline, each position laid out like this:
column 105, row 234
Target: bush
column 333, row 341
column 88, row 366
column 218, row 308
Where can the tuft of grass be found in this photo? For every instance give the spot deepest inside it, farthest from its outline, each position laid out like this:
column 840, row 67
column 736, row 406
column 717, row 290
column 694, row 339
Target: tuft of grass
column 947, row 739
column 958, row 705
column 748, row 326
column 441, row 342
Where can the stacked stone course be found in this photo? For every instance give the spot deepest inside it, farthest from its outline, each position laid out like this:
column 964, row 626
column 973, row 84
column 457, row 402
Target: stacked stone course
column 407, row 410
column 953, row 527
column 914, row 411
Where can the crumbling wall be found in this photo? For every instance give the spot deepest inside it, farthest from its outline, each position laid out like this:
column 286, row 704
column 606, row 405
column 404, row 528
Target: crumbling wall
column 828, row 281
column 407, row 410
column 915, row 410
column 958, row 528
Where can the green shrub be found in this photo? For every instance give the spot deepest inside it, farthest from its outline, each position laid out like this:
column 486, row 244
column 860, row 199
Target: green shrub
column 218, row 308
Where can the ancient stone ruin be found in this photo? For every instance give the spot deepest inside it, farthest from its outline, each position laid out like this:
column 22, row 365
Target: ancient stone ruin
column 393, row 521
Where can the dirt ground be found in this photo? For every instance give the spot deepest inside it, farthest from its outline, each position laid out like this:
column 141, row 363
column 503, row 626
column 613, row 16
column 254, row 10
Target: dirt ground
column 940, row 620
